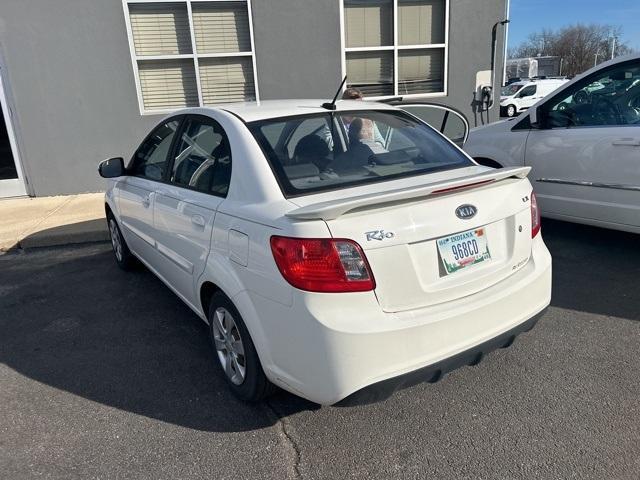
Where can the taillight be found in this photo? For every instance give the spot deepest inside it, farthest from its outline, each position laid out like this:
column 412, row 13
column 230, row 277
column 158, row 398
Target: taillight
column 535, row 216
column 322, row 264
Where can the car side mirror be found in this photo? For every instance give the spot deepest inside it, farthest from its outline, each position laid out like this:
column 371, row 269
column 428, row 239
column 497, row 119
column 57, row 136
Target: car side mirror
column 111, row 168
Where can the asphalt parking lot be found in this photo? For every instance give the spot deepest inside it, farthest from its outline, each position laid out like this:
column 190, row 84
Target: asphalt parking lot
column 106, row 374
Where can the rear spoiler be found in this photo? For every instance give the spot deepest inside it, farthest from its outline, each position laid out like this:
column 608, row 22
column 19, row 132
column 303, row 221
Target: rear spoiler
column 333, row 209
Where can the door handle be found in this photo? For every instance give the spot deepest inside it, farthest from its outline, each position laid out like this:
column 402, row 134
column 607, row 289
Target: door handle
column 198, row 220
column 146, row 201
column 629, row 142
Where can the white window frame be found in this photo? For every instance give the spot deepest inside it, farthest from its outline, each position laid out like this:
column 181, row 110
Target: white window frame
column 195, row 56
column 396, row 48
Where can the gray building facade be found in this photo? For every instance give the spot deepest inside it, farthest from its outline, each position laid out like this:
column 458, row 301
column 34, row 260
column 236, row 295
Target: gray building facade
column 83, row 80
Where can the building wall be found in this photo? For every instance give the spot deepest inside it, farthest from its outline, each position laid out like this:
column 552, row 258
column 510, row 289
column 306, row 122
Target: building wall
column 470, row 27
column 69, row 68
column 297, row 48
column 70, row 72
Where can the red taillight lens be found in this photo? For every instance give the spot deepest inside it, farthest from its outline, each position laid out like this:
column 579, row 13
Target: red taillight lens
column 535, row 216
column 322, row 264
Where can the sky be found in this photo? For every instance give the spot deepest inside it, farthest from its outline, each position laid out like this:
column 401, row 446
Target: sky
column 529, row 16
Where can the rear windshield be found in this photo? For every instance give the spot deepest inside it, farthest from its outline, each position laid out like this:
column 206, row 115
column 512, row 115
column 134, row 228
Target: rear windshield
column 323, row 152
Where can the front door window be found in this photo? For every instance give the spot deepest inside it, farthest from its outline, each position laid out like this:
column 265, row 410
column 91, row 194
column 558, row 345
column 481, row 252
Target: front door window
column 611, row 97
column 150, row 160
column 529, row 91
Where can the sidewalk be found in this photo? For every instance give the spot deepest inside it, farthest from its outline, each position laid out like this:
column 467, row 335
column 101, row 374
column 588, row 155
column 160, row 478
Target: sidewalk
column 49, row 221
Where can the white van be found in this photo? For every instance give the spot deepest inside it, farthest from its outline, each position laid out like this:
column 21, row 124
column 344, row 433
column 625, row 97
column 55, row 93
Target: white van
column 518, row 96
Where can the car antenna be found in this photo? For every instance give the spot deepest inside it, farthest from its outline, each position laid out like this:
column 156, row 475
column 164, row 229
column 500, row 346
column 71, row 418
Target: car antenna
column 332, row 105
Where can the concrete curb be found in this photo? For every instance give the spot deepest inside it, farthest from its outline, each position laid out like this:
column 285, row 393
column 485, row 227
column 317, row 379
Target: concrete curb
column 64, row 238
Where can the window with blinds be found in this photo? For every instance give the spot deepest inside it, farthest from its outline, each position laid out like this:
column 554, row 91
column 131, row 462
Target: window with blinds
column 369, row 23
column 371, row 72
column 396, row 47
column 191, row 53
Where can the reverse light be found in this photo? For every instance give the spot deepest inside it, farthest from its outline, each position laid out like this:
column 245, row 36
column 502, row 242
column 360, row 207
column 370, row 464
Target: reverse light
column 535, row 216
column 323, row 264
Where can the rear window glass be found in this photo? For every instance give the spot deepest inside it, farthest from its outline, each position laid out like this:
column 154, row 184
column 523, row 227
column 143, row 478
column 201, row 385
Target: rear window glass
column 322, row 152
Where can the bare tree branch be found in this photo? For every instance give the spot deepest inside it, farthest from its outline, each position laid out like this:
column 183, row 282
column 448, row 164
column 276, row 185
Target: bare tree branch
column 580, row 46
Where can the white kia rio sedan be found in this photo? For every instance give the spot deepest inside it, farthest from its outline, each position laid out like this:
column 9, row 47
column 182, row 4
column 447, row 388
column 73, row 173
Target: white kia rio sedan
column 338, row 254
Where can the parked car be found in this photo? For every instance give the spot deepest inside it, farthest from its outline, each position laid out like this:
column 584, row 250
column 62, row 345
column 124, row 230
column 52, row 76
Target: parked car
column 584, row 152
column 519, row 96
column 338, row 254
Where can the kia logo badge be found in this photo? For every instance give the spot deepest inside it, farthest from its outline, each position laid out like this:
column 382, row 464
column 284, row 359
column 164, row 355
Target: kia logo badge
column 465, row 212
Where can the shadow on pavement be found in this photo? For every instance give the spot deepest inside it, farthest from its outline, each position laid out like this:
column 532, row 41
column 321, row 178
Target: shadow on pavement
column 72, row 320
column 69, row 233
column 594, row 270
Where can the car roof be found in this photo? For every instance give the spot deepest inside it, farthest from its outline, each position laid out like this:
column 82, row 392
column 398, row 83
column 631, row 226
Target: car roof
column 266, row 109
column 539, row 81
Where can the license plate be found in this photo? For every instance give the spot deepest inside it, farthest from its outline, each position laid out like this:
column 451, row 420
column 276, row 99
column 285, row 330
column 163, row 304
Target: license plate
column 463, row 249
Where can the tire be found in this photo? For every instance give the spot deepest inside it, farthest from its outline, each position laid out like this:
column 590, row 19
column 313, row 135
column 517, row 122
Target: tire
column 235, row 353
column 511, row 111
column 122, row 254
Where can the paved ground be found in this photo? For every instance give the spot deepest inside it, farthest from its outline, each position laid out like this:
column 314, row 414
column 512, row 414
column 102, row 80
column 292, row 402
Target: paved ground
column 107, row 375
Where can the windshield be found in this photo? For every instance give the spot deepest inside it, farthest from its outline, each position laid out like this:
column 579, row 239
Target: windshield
column 509, row 90
column 323, row 152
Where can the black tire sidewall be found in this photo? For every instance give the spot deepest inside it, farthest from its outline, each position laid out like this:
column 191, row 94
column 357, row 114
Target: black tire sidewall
column 510, row 107
column 255, row 384
column 127, row 258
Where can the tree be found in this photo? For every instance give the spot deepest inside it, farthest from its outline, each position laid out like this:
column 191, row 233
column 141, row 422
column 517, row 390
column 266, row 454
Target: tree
column 579, row 46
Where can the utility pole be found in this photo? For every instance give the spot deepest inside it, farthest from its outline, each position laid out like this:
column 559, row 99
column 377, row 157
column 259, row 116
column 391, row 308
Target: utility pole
column 613, row 47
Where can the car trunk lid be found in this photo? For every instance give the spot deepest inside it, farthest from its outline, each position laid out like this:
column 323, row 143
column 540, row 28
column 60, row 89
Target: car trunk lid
column 399, row 230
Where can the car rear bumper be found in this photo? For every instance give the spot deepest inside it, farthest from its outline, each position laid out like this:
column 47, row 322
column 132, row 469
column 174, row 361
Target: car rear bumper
column 326, row 347
column 434, row 372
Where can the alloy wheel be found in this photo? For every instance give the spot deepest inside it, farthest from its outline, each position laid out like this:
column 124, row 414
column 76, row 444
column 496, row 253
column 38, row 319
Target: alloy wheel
column 229, row 346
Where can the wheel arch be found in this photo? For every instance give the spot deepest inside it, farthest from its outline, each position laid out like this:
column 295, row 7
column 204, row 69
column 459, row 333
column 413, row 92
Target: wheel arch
column 250, row 317
column 110, row 206
column 206, row 291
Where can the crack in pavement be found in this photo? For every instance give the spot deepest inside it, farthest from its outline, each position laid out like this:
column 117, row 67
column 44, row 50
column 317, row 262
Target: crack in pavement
column 290, row 445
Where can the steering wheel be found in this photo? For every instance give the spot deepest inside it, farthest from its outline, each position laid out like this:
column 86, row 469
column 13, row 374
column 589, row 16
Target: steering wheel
column 635, row 112
column 606, row 112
